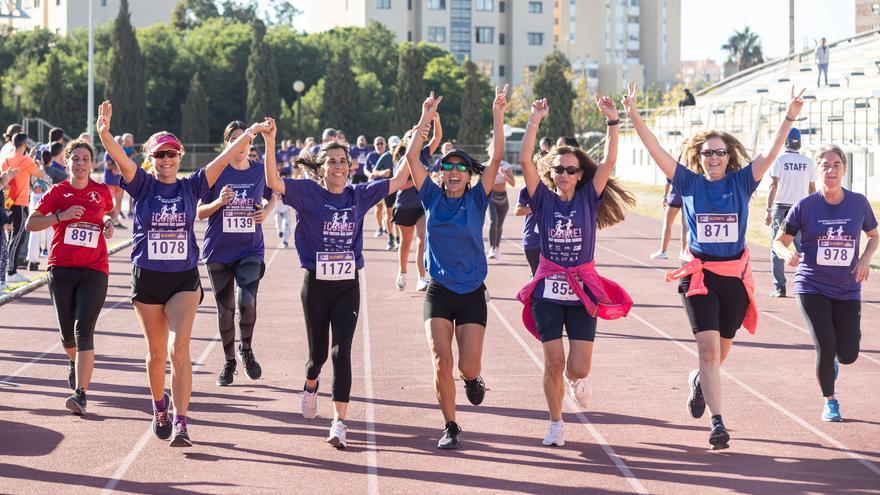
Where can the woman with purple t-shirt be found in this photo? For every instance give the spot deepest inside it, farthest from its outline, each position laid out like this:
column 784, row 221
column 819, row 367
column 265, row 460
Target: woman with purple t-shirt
column 166, row 289
column 329, row 241
column 531, row 241
column 830, row 269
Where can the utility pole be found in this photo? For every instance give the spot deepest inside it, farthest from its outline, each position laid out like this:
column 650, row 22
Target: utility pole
column 791, row 27
column 90, row 113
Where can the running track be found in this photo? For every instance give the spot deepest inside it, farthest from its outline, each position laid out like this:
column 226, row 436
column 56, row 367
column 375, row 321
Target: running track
column 251, row 438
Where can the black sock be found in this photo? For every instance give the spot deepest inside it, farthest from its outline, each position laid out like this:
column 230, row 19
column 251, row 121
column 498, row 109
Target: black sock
column 306, row 388
column 716, row 421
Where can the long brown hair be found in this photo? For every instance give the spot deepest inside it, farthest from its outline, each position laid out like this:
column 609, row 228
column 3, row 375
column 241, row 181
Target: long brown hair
column 615, row 198
column 690, row 151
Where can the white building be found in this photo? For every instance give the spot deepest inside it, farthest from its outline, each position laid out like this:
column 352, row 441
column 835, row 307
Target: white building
column 62, row 16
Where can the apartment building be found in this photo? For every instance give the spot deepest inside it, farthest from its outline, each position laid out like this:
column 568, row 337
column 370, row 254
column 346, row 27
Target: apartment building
column 867, row 15
column 61, row 16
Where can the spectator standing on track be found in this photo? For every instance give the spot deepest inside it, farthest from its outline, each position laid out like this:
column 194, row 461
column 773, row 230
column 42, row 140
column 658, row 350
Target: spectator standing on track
column 5, row 222
column 166, row 286
column 717, row 286
column 455, row 302
column 671, row 207
column 329, row 242
column 830, row 268
column 19, row 192
column 498, row 208
column 54, row 168
column 77, row 210
column 822, row 55
column 793, row 177
column 382, row 170
column 382, row 214
column 531, row 241
column 38, row 189
column 359, row 154
column 570, row 200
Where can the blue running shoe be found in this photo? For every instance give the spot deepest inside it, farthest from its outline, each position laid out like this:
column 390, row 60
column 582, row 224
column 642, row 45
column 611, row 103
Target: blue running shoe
column 831, row 411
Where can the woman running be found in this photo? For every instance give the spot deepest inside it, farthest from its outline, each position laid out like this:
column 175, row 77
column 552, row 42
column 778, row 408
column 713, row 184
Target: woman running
column 78, row 212
column 569, row 201
column 166, row 288
column 671, row 207
column 716, row 285
column 233, row 251
column 455, row 303
column 830, row 270
column 531, row 241
column 329, row 242
column 498, row 207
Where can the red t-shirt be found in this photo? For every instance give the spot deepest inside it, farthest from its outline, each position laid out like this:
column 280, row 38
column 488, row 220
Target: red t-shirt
column 78, row 243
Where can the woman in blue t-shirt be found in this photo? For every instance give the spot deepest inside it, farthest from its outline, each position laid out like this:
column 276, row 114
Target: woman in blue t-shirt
column 166, row 289
column 830, row 269
column 455, row 302
column 718, row 297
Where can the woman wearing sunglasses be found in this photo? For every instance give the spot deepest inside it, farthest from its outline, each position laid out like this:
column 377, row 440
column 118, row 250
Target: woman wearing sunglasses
column 569, row 201
column 329, row 241
column 455, row 303
column 166, row 289
column 716, row 281
column 233, row 251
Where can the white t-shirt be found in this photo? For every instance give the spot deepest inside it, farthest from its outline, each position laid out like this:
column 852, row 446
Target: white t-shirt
column 500, row 177
column 795, row 172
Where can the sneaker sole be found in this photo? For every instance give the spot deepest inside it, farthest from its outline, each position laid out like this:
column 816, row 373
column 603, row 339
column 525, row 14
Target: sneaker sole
column 448, row 446
column 832, row 420
column 181, row 442
column 75, row 408
column 560, row 443
column 695, row 409
column 720, row 442
column 336, row 442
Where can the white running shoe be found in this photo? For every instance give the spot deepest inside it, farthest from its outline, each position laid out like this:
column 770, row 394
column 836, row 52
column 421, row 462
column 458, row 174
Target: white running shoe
column 337, row 434
column 580, row 391
column 659, row 255
column 16, row 278
column 491, row 254
column 2, row 285
column 401, row 280
column 498, row 254
column 556, row 434
column 422, row 284
column 309, row 404
column 682, row 255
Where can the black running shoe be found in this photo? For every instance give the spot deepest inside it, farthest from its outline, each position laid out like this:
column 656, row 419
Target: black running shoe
column 226, row 376
column 161, row 422
column 76, row 403
column 181, row 436
column 450, row 438
column 696, row 403
column 251, row 366
column 71, row 376
column 475, row 390
column 719, row 437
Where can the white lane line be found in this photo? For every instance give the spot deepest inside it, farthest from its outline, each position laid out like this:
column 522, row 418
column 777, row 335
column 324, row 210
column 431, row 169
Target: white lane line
column 369, row 409
column 609, row 451
column 142, row 442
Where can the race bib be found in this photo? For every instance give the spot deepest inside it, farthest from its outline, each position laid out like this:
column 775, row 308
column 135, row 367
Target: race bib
column 362, row 158
column 335, row 266
column 556, row 288
column 836, row 252
column 717, row 227
column 238, row 222
column 167, row 245
column 82, row 234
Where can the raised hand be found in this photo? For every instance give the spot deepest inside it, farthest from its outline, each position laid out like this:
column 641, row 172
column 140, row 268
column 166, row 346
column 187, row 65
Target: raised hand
column 630, row 103
column 105, row 112
column 429, row 107
column 539, row 110
column 500, row 103
column 271, row 132
column 796, row 104
column 606, row 106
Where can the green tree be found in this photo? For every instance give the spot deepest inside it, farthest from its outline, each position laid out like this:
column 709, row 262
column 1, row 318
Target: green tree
column 444, row 76
column 409, row 91
column 744, row 49
column 195, row 125
column 126, row 84
column 167, row 78
column 553, row 81
column 262, row 79
column 53, row 104
column 374, row 116
column 472, row 129
column 190, row 13
column 340, row 108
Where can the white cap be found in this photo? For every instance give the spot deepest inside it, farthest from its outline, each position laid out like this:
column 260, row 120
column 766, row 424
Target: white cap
column 393, row 141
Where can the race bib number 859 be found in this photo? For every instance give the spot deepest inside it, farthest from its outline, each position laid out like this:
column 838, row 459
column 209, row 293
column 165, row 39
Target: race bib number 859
column 557, row 288
column 717, row 227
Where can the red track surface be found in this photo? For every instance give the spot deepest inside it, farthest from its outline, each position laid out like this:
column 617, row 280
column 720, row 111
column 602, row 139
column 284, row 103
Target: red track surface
column 251, row 438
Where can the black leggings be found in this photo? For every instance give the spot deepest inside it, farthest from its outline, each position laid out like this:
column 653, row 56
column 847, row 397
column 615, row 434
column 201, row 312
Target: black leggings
column 834, row 325
column 497, row 211
column 78, row 295
column 246, row 274
column 19, row 237
column 329, row 304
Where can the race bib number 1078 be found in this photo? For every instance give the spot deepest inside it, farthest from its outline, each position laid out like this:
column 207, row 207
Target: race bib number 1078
column 167, row 245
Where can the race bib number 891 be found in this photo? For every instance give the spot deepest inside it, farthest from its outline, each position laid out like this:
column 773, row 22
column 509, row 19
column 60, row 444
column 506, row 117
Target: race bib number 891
column 717, row 227
column 82, row 234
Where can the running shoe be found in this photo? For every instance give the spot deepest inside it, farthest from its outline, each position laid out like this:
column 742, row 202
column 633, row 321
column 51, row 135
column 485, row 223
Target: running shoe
column 475, row 390
column 310, row 404
column 682, row 255
column 555, row 434
column 33, row 266
column 718, row 437
column 451, row 437
column 227, row 376
column 3, row 285
column 161, row 423
column 422, row 284
column 16, row 278
column 281, row 235
column 390, row 245
column 44, row 253
column 251, row 366
column 284, row 245
column 831, row 411
column 76, row 403
column 379, row 232
column 498, row 254
column 696, row 403
column 659, row 255
column 181, row 436
column 580, row 391
column 491, row 254
column 401, row 281
column 120, row 226
column 778, row 292
column 337, row 434
column 71, row 376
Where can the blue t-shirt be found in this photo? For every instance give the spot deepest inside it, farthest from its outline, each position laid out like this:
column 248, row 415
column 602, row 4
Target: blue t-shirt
column 830, row 238
column 716, row 213
column 408, row 197
column 454, row 251
column 567, row 231
column 383, row 162
column 162, row 232
column 360, row 155
column 531, row 234
column 232, row 234
column 315, row 149
column 110, row 178
column 281, row 156
column 328, row 222
column 372, row 159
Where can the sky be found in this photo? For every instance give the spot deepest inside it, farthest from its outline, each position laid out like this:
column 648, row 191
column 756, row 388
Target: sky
column 706, row 24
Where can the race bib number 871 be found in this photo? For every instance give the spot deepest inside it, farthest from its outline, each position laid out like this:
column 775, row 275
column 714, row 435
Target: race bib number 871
column 717, row 227
column 836, row 252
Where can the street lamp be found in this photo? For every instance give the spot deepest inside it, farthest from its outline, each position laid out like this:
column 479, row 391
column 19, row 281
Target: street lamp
column 299, row 87
column 18, row 90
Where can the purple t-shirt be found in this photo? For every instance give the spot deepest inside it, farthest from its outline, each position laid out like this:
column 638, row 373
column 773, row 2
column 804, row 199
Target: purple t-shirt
column 359, row 155
column 328, row 222
column 110, row 178
column 162, row 233
column 567, row 233
column 531, row 234
column 830, row 236
column 232, row 234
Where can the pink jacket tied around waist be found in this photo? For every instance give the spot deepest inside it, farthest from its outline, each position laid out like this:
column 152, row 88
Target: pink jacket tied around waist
column 612, row 301
column 741, row 269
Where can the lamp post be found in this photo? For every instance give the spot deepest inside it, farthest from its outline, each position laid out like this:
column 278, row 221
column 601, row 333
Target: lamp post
column 298, row 87
column 90, row 98
column 18, row 90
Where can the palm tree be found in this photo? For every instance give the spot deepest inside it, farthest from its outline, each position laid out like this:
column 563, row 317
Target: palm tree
column 744, row 49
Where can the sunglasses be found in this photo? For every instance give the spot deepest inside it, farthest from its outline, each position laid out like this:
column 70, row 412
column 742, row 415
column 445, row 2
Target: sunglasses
column 708, row 153
column 448, row 167
column 166, row 153
column 570, row 170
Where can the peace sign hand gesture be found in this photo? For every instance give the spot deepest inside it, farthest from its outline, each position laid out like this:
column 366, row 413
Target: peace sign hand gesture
column 795, row 105
column 606, row 106
column 105, row 112
column 500, row 103
column 429, row 107
column 629, row 99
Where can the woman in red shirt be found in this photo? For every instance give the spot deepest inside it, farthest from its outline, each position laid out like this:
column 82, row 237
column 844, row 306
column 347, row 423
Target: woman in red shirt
column 77, row 210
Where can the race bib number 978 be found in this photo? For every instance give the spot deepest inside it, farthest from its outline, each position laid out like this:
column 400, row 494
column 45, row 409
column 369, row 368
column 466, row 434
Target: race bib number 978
column 836, row 252
column 717, row 227
column 335, row 266
column 167, row 246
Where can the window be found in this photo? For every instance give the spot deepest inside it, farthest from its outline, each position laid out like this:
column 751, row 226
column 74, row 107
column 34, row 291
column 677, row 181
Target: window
column 501, row 71
column 485, row 35
column 437, row 34
column 383, row 4
column 36, row 3
column 536, row 38
column 103, row 3
column 408, row 4
column 501, row 7
column 409, row 36
column 485, row 5
column 436, row 4
column 501, row 38
column 536, row 8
